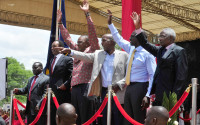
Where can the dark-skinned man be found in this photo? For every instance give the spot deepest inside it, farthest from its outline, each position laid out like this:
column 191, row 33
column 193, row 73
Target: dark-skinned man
column 172, row 64
column 109, row 68
column 60, row 77
column 35, row 89
column 139, row 75
column 157, row 115
column 81, row 74
column 66, row 114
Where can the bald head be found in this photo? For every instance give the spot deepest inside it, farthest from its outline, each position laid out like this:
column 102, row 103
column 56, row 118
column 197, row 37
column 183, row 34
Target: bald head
column 157, row 115
column 66, row 114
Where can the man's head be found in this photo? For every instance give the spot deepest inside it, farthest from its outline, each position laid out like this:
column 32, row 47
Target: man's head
column 167, row 36
column 108, row 43
column 56, row 43
column 83, row 43
column 66, row 114
column 37, row 68
column 157, row 115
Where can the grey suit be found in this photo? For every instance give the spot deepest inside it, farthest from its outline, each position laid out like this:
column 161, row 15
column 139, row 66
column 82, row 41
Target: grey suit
column 36, row 95
column 95, row 86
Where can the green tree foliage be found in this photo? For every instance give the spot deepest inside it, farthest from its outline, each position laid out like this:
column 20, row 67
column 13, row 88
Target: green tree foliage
column 17, row 77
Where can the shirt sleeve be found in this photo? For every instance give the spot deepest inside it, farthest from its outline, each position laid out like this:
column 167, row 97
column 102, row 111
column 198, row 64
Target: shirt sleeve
column 124, row 44
column 67, row 38
column 151, row 67
column 94, row 43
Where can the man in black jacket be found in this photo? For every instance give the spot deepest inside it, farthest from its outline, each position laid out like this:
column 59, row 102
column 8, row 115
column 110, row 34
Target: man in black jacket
column 60, row 77
column 172, row 64
column 35, row 89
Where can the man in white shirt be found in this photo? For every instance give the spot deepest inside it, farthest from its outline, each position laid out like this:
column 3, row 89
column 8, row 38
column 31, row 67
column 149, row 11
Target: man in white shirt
column 141, row 75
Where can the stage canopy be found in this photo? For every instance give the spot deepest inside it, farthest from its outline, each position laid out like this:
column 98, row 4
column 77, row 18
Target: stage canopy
column 181, row 15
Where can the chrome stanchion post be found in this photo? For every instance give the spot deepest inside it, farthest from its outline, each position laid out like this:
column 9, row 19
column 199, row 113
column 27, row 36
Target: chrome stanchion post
column 48, row 106
column 11, row 107
column 194, row 101
column 109, row 105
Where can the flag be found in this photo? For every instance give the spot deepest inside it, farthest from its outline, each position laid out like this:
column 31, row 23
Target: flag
column 53, row 32
column 128, row 6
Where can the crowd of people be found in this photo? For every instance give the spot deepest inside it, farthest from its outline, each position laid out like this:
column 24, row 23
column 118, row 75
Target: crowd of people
column 86, row 72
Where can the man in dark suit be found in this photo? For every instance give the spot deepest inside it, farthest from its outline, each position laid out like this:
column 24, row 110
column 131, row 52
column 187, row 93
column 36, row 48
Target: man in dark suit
column 35, row 89
column 60, row 77
column 172, row 64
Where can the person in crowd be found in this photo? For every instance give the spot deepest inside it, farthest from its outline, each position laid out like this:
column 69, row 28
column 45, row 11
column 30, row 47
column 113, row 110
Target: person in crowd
column 34, row 89
column 66, row 114
column 172, row 64
column 81, row 74
column 157, row 115
column 2, row 122
column 109, row 68
column 139, row 75
column 60, row 77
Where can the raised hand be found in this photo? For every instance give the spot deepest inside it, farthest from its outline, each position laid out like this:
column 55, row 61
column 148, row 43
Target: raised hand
column 59, row 16
column 85, row 6
column 63, row 50
column 136, row 19
column 109, row 17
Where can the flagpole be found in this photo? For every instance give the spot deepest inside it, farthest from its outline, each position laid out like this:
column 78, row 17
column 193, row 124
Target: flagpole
column 58, row 8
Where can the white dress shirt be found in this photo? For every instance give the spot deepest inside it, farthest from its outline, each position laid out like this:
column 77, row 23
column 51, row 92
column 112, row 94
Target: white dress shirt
column 57, row 58
column 107, row 70
column 144, row 64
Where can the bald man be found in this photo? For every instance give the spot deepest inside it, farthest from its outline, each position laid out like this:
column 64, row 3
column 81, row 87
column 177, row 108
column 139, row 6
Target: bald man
column 66, row 114
column 157, row 115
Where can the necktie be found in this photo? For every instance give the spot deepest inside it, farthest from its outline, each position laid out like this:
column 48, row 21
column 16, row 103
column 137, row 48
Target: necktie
column 128, row 73
column 163, row 51
column 54, row 59
column 34, row 81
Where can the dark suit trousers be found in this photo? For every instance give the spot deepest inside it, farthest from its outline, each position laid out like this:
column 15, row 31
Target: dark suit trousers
column 116, row 116
column 83, row 106
column 134, row 95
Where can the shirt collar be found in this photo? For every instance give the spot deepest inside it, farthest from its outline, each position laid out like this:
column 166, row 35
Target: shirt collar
column 108, row 54
column 139, row 48
column 169, row 46
column 58, row 56
column 39, row 74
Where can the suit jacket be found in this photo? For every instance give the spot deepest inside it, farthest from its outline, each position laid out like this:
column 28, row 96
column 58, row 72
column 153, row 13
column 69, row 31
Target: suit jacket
column 36, row 93
column 97, row 58
column 171, row 71
column 62, row 75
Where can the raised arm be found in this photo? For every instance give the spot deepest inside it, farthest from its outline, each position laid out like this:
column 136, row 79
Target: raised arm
column 91, row 29
column 142, row 37
column 116, row 36
column 64, row 32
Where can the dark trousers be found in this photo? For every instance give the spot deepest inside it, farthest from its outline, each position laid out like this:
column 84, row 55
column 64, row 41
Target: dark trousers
column 83, row 106
column 134, row 95
column 116, row 116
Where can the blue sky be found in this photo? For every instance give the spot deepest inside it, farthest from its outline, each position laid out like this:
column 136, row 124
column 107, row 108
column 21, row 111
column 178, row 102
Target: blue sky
column 27, row 45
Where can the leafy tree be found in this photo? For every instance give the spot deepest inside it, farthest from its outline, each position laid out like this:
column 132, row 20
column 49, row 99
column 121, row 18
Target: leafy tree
column 17, row 77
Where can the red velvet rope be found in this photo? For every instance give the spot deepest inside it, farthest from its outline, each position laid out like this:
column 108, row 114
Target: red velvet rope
column 132, row 121
column 17, row 111
column 178, row 104
column 23, row 106
column 40, row 112
column 97, row 114
column 188, row 118
column 56, row 102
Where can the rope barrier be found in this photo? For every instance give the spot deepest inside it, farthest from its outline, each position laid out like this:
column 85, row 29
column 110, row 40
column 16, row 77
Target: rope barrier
column 17, row 111
column 188, row 118
column 23, row 106
column 55, row 100
column 132, row 121
column 180, row 101
column 40, row 111
column 97, row 114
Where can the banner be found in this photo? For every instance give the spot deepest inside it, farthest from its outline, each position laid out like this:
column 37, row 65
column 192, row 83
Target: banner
column 128, row 6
